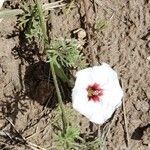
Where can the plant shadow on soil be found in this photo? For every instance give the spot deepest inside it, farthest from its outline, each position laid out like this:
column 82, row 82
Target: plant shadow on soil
column 13, row 106
column 38, row 83
column 138, row 133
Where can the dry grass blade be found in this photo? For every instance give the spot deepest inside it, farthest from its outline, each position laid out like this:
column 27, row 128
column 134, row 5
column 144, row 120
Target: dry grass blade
column 125, row 120
column 45, row 7
column 106, row 129
column 53, row 5
column 49, row 7
column 35, row 147
column 10, row 12
column 21, row 138
column 16, row 130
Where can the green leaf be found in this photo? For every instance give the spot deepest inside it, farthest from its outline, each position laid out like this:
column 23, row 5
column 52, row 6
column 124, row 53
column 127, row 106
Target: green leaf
column 60, row 73
column 68, row 53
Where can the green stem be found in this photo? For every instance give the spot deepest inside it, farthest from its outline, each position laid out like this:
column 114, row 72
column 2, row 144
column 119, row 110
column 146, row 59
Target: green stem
column 44, row 30
column 43, row 25
column 59, row 98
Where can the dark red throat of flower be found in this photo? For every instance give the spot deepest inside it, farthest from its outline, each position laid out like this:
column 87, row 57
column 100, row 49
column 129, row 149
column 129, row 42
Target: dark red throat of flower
column 94, row 92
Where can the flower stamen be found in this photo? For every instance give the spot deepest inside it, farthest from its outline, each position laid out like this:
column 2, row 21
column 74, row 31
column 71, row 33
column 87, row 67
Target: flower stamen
column 94, row 92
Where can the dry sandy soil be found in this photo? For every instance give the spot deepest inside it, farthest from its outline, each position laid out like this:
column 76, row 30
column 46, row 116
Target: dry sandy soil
column 124, row 43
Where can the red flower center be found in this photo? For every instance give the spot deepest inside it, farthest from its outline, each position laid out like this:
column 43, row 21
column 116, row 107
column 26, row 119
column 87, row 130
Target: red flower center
column 94, row 92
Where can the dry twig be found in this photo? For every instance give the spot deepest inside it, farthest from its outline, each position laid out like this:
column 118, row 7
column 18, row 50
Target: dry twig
column 125, row 121
column 106, row 129
column 21, row 138
column 52, row 5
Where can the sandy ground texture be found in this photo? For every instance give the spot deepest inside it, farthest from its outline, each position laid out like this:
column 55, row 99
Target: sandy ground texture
column 122, row 40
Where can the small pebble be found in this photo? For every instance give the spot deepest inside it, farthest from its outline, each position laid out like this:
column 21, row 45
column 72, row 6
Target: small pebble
column 142, row 106
column 148, row 58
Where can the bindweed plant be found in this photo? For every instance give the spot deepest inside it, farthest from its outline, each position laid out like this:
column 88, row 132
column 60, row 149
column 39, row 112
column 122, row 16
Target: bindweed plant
column 46, row 46
column 61, row 53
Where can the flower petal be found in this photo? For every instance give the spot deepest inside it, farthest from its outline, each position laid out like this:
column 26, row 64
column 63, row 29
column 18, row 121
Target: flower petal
column 84, row 77
column 1, row 4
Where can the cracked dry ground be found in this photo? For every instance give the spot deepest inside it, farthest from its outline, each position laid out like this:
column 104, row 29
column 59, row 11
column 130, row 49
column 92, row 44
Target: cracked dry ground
column 124, row 44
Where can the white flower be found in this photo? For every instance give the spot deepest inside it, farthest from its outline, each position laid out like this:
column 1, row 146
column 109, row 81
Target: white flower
column 1, row 4
column 97, row 93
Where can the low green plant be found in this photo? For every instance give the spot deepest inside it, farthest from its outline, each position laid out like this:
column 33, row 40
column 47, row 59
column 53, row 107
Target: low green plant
column 65, row 53
column 71, row 140
column 67, row 141
column 29, row 20
column 94, row 144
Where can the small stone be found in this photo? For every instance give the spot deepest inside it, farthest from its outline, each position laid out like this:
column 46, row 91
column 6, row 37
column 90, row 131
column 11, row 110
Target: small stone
column 1, row 71
column 142, row 106
column 148, row 58
column 145, row 106
column 80, row 33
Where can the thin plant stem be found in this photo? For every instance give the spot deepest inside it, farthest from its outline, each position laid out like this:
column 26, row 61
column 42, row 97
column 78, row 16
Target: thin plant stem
column 59, row 98
column 44, row 30
column 43, row 25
